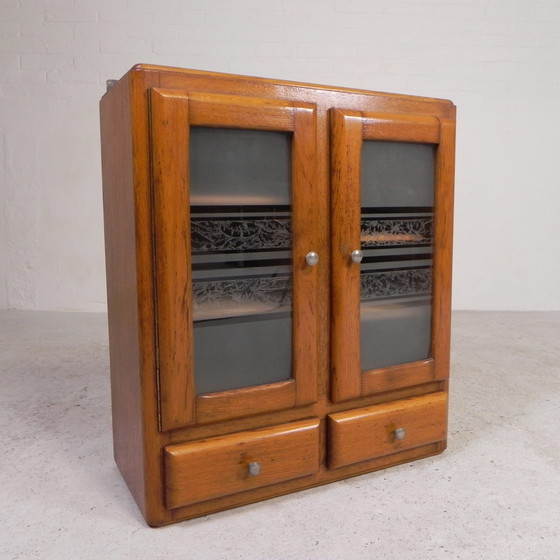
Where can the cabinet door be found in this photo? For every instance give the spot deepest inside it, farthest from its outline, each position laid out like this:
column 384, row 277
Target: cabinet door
column 234, row 179
column 392, row 178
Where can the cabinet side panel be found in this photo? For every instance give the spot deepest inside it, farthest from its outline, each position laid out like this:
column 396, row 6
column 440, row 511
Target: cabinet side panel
column 120, row 256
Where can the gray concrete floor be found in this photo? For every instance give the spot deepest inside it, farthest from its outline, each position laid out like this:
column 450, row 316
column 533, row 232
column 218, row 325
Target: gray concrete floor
column 494, row 494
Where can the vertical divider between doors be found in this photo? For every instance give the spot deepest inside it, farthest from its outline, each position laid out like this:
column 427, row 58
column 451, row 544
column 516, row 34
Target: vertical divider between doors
column 346, row 143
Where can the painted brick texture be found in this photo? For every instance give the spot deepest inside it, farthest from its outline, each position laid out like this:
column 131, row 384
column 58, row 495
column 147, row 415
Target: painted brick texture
column 497, row 59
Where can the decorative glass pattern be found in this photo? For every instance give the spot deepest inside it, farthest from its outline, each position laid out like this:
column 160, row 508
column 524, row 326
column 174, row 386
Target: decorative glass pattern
column 219, row 299
column 220, row 235
column 241, row 243
column 397, row 194
column 396, row 283
column 396, row 231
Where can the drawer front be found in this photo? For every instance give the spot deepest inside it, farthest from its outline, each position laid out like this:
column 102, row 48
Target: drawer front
column 220, row 466
column 375, row 431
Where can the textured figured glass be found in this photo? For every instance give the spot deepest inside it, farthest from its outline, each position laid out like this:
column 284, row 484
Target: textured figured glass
column 397, row 198
column 241, row 242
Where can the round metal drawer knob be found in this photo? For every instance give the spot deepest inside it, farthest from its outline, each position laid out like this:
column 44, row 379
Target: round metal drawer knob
column 254, row 468
column 400, row 434
column 312, row 258
column 356, row 256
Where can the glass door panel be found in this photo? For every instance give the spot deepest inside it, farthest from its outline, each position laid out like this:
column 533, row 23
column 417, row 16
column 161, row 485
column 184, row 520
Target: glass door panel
column 397, row 199
column 234, row 181
column 241, row 246
column 387, row 174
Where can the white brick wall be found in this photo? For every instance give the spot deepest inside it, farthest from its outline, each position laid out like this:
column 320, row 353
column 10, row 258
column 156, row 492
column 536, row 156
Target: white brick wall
column 499, row 61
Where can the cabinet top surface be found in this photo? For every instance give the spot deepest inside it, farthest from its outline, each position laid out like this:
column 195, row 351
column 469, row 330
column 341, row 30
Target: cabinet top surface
column 166, row 76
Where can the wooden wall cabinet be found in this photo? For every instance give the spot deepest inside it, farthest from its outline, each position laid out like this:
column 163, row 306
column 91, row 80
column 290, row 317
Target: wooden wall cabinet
column 279, row 284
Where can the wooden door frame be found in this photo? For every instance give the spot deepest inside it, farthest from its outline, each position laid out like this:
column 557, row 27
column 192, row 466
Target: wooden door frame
column 172, row 112
column 348, row 130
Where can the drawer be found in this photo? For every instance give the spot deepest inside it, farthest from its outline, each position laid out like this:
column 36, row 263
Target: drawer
column 211, row 468
column 375, row 431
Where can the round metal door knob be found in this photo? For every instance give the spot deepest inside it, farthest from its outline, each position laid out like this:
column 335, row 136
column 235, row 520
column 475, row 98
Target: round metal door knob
column 400, row 434
column 312, row 258
column 254, row 468
column 357, row 256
